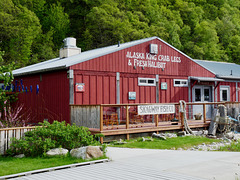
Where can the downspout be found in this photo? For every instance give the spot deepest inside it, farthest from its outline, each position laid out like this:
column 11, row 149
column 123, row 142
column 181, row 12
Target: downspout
column 216, row 100
column 236, row 91
column 118, row 87
column 71, row 86
column 189, row 96
column 157, row 88
column 118, row 93
column 157, row 94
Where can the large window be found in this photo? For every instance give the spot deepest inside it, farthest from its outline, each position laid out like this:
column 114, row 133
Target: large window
column 224, row 93
column 180, row 83
column 146, row 81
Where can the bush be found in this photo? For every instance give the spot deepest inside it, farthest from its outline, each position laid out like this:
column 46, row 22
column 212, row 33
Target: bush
column 57, row 134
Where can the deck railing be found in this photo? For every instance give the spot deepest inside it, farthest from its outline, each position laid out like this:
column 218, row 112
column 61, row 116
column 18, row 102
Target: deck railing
column 7, row 133
column 107, row 118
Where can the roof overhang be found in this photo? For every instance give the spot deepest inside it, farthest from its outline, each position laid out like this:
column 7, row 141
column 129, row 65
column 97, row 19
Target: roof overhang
column 208, row 79
column 228, row 77
column 21, row 73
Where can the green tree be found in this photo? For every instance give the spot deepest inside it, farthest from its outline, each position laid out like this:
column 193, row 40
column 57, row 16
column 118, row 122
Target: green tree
column 6, row 78
column 56, row 21
column 19, row 28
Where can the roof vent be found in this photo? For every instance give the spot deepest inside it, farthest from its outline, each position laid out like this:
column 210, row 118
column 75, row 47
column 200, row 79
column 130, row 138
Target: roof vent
column 69, row 48
column 70, row 42
column 153, row 49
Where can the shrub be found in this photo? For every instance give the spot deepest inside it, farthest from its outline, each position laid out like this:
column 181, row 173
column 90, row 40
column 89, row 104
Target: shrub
column 13, row 117
column 48, row 136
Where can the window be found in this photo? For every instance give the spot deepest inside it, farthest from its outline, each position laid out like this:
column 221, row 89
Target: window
column 224, row 93
column 198, row 95
column 207, row 94
column 146, row 82
column 180, row 83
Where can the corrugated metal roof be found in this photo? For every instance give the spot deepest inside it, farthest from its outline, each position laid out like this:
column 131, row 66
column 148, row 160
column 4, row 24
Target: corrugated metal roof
column 58, row 63
column 221, row 69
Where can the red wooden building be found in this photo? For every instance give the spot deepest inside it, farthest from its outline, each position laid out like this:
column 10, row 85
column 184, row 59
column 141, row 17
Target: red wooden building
column 143, row 71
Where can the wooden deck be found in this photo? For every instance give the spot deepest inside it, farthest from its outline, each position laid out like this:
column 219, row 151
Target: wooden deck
column 123, row 119
column 147, row 127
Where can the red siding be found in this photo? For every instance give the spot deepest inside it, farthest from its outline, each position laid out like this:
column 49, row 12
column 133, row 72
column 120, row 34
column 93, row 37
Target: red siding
column 118, row 62
column 52, row 101
column 100, row 88
column 99, row 76
column 232, row 86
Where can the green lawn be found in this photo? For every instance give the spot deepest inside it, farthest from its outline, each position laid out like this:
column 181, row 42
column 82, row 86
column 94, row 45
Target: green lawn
column 170, row 143
column 234, row 147
column 10, row 165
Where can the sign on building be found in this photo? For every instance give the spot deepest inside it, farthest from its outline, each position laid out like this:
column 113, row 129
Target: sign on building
column 80, row 87
column 156, row 109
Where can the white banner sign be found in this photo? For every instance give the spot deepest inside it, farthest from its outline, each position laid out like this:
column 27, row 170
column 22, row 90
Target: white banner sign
column 156, row 109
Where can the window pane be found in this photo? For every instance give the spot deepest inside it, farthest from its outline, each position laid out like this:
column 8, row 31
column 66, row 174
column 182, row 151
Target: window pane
column 197, row 94
column 151, row 81
column 224, row 95
column 177, row 82
column 143, row 81
column 206, row 95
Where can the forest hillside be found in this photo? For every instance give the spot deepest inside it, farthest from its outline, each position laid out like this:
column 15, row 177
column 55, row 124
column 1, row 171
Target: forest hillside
column 33, row 30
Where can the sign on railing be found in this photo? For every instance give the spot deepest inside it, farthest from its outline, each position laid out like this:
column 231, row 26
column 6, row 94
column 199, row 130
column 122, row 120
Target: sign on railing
column 156, row 109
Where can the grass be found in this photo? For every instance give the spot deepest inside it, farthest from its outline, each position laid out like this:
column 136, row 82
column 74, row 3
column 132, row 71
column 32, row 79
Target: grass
column 234, row 147
column 170, row 143
column 11, row 165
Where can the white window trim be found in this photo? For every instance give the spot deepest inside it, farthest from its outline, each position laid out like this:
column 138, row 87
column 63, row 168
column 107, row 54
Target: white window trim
column 146, row 84
column 228, row 92
column 180, row 85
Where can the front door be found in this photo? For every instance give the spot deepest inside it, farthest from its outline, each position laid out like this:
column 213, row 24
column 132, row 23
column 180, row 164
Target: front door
column 202, row 94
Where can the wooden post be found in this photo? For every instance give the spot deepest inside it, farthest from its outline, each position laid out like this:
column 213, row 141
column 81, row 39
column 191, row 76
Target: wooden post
column 204, row 113
column 127, row 121
column 101, row 122
column 156, row 120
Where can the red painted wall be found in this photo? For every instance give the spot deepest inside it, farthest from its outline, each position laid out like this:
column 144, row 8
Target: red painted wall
column 99, row 76
column 233, row 92
column 118, row 62
column 52, row 101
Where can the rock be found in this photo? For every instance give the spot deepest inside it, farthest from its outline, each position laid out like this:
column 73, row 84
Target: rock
column 119, row 142
column 146, row 139
column 94, row 152
column 205, row 132
column 182, row 133
column 170, row 135
column 197, row 133
column 79, row 152
column 57, row 151
column 236, row 137
column 88, row 152
column 212, row 137
column 159, row 136
column 230, row 135
column 20, row 156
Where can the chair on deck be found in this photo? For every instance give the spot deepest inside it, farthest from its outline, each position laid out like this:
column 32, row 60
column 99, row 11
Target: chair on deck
column 110, row 118
column 135, row 118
